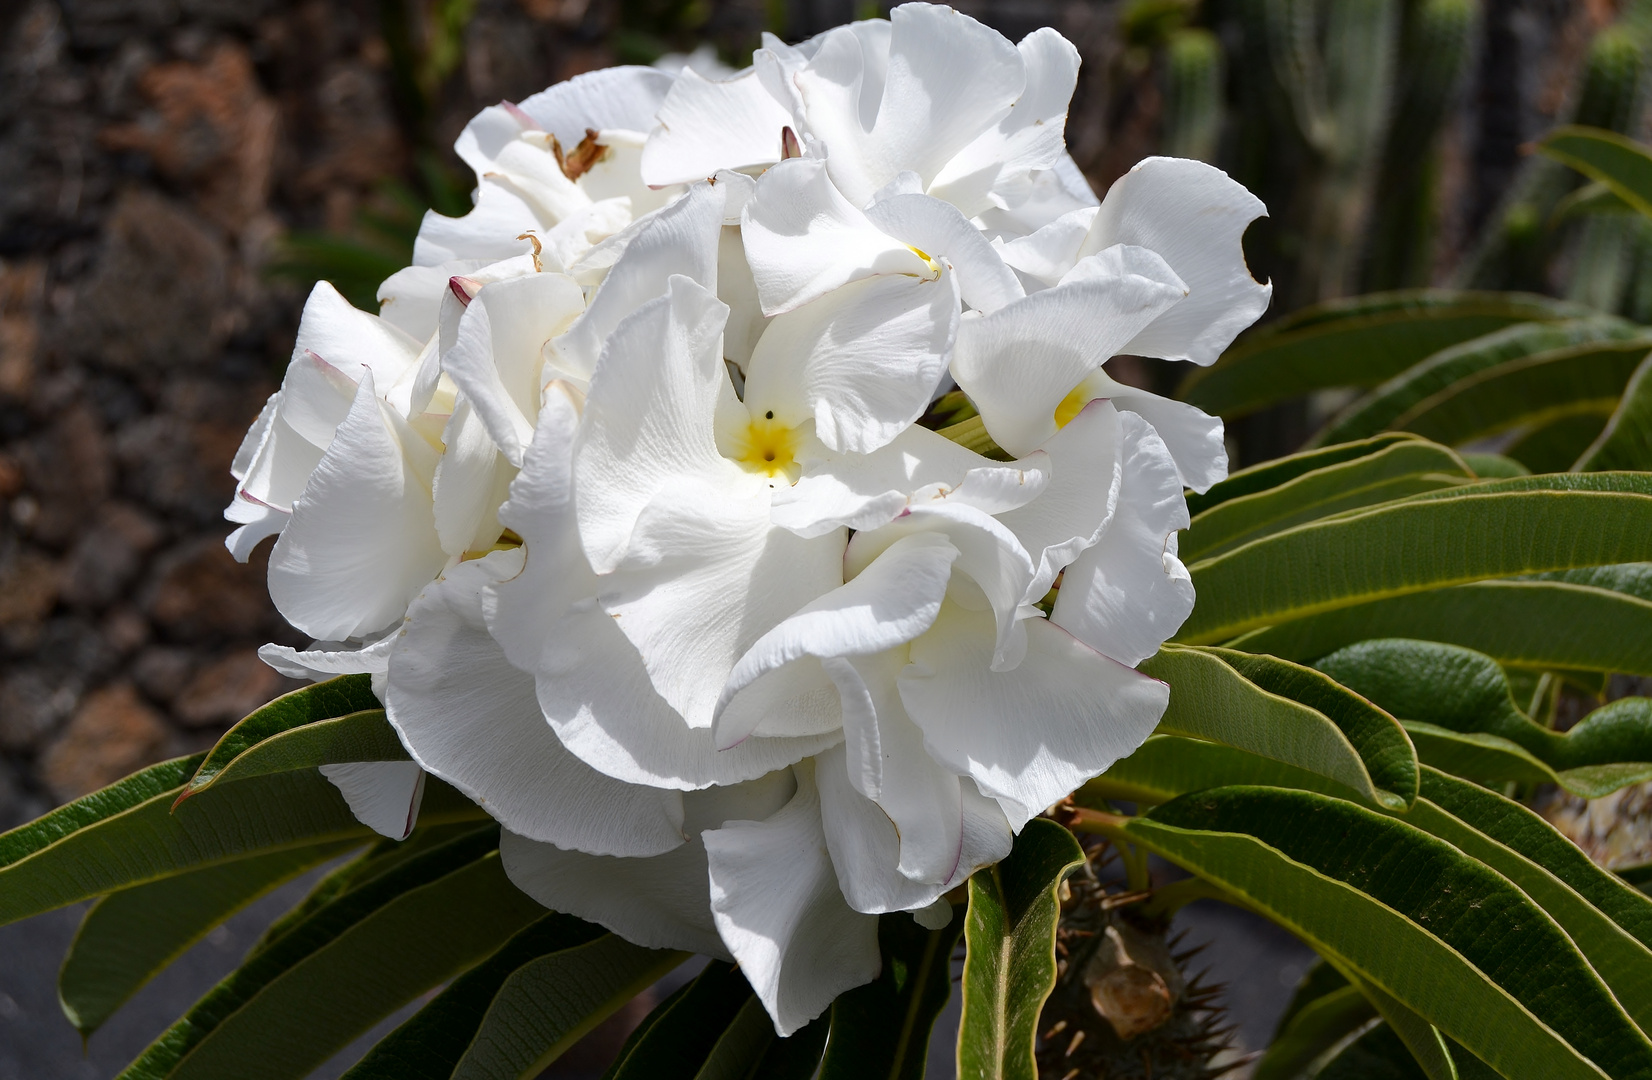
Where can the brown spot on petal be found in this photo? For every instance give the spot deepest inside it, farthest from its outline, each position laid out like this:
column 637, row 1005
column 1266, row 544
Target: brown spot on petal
column 585, row 155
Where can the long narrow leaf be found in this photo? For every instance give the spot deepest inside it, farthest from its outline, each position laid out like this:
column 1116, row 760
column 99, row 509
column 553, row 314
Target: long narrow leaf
column 1356, row 342
column 1626, row 440
column 1540, row 625
column 674, row 1040
column 1009, row 966
column 323, row 701
column 1442, row 934
column 880, row 1031
column 128, row 937
column 355, row 961
column 1494, row 529
column 358, row 736
column 1316, row 1028
column 1166, row 766
column 1271, row 474
column 1289, row 713
column 1617, row 161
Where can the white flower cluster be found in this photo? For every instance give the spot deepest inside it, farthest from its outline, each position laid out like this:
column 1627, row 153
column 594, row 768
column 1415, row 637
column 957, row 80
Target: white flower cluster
column 624, row 500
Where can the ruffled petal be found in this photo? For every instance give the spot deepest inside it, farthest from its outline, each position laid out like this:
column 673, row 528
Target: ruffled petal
column 648, row 420
column 468, row 716
column 804, row 239
column 488, row 233
column 662, row 902
column 1069, row 516
column 592, row 685
column 471, row 481
column 1193, row 437
column 1028, row 736
column 706, row 126
column 1045, row 256
column 351, row 340
column 1129, row 593
column 1194, row 216
column 625, row 98
column 889, row 603
column 497, row 355
column 326, row 659
column 776, row 902
column 938, row 229
column 384, row 795
column 1018, row 364
column 679, row 239
column 863, row 361
column 362, row 540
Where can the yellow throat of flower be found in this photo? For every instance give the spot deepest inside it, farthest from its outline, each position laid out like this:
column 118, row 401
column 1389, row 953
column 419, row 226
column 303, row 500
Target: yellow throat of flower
column 1072, row 405
column 767, row 446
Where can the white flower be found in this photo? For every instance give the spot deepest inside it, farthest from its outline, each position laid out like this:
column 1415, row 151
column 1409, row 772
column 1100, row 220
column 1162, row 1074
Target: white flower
column 642, row 535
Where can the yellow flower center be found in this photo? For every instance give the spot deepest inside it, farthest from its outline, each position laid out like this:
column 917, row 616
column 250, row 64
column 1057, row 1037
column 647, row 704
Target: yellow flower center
column 934, row 267
column 767, row 446
column 1072, row 405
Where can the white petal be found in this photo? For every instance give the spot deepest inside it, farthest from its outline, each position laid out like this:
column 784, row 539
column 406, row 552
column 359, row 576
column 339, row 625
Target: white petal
column 282, row 465
column 384, row 795
column 362, row 541
column 804, row 238
column 704, row 577
column 1129, row 593
column 471, row 481
column 257, row 524
column 662, row 902
column 617, row 173
column 1029, row 736
column 351, row 340
column 411, row 298
column 997, row 168
column 1018, row 364
column 323, row 659
column 776, row 902
column 679, row 239
column 648, row 419
column 889, row 603
column 1194, row 216
column 938, row 829
column 1086, row 468
column 487, row 233
column 938, row 229
column 1047, row 255
column 625, row 98
column 497, row 355
column 865, row 846
column 997, row 569
column 864, row 491
column 706, row 126
column 738, row 289
column 1193, row 437
column 254, row 437
column 863, row 361
column 470, row 717
column 592, row 685
column 949, row 79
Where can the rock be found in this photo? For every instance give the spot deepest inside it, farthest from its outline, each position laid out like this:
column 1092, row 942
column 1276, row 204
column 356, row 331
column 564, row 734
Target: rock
column 68, row 471
column 113, row 733
column 201, row 592
column 108, row 557
column 228, row 690
column 158, row 299
column 32, row 704
column 162, row 671
column 29, row 584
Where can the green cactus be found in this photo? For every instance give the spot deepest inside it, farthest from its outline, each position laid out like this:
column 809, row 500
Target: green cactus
column 1437, row 38
column 1193, row 94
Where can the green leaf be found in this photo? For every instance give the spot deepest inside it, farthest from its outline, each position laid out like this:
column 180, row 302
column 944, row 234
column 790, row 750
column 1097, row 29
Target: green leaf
column 1490, row 759
column 1512, row 621
column 1617, row 161
column 1009, row 965
column 1496, row 528
column 1408, row 914
column 117, row 838
column 1394, row 472
column 1466, row 692
column 1377, row 1055
column 312, row 991
column 1486, row 369
column 340, row 697
column 1319, row 980
column 881, row 1030
column 1271, row 474
column 128, row 937
column 1626, row 440
column 739, row 1052
column 1356, row 342
column 1315, row 1029
column 1493, row 466
column 1622, row 961
column 1557, row 443
column 361, row 736
column 592, row 974
column 1166, row 766
column 674, row 1041
column 1424, row 1041
column 1289, row 713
